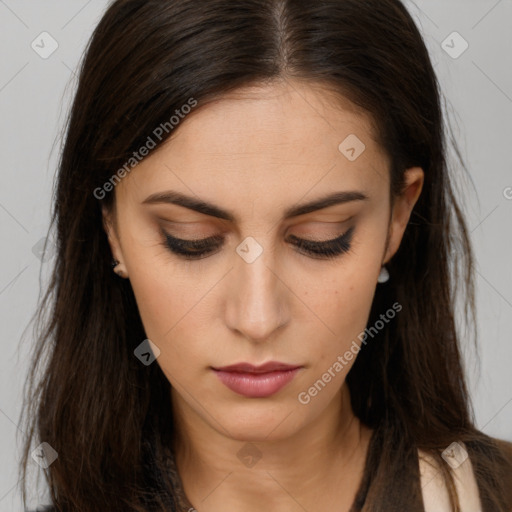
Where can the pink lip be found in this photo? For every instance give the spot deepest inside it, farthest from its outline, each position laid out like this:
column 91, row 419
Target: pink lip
column 256, row 381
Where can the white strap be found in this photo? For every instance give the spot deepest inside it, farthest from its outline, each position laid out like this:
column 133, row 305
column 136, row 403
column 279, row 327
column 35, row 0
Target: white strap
column 433, row 488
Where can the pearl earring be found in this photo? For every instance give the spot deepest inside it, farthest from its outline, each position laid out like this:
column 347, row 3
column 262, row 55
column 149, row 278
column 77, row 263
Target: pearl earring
column 114, row 263
column 384, row 275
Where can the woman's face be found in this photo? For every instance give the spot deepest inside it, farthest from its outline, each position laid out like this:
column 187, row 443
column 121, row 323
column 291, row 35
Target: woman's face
column 258, row 159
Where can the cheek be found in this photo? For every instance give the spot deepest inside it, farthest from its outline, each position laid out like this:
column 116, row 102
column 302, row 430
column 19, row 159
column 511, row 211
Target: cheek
column 165, row 292
column 165, row 303
column 344, row 306
column 175, row 309
column 166, row 315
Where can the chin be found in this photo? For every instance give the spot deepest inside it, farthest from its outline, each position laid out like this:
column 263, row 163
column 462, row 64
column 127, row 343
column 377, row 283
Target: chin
column 258, row 420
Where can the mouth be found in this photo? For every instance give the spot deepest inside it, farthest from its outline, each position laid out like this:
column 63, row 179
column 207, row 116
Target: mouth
column 256, row 381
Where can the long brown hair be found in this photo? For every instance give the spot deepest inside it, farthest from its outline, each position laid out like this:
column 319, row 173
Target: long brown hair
column 88, row 397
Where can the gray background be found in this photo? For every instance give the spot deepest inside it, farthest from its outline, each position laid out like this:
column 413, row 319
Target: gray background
column 35, row 94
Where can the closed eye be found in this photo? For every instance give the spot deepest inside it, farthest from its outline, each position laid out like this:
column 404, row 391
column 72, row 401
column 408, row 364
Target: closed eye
column 326, row 249
column 198, row 249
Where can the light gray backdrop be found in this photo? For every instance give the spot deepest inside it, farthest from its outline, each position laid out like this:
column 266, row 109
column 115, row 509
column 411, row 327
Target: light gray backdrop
column 470, row 43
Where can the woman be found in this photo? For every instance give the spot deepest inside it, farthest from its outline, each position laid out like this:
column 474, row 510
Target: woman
column 268, row 179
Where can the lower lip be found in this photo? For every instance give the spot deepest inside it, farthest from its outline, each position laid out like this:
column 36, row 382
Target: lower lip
column 256, row 385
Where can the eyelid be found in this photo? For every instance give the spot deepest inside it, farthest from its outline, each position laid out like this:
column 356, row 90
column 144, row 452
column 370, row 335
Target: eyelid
column 192, row 240
column 196, row 242
column 320, row 242
column 218, row 238
column 225, row 224
column 315, row 249
column 327, row 248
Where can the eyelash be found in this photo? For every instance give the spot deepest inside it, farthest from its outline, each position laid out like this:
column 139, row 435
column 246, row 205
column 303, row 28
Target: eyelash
column 198, row 249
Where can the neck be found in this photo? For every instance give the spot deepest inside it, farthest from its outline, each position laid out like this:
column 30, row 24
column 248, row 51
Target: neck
column 221, row 473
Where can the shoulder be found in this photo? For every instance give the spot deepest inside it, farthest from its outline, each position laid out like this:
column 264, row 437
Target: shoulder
column 433, row 487
column 45, row 508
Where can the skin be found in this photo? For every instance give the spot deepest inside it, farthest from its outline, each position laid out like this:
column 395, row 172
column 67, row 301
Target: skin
column 257, row 152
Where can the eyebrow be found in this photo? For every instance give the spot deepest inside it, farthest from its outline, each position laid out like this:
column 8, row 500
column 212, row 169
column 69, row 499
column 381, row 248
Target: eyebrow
column 192, row 203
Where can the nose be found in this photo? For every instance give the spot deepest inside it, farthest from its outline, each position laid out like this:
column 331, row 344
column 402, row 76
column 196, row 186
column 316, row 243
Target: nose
column 257, row 300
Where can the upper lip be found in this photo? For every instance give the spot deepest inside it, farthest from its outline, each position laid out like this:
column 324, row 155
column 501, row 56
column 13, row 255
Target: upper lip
column 271, row 366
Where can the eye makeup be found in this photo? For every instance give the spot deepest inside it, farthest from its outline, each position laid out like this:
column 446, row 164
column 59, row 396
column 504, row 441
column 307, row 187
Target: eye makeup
column 328, row 249
column 199, row 249
column 192, row 249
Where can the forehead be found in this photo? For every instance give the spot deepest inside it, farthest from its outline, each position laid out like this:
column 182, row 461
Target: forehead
column 280, row 117
column 287, row 139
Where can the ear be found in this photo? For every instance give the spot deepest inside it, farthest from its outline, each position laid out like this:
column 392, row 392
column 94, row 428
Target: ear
column 402, row 209
column 110, row 227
